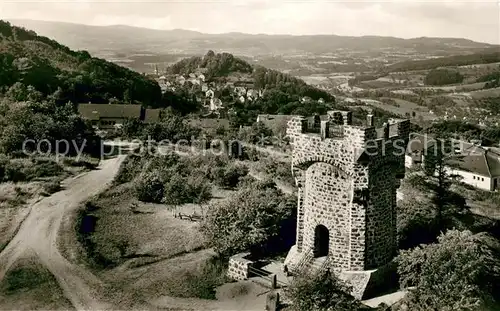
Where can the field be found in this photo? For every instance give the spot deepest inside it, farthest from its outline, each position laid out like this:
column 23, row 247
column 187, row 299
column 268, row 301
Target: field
column 404, row 107
column 378, row 84
column 495, row 92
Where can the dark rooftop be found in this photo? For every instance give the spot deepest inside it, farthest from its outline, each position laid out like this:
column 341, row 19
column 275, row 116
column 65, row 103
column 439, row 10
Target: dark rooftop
column 152, row 115
column 97, row 111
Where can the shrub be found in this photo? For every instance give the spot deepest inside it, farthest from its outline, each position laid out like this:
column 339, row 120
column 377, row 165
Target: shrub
column 51, row 187
column 14, row 171
column 4, row 161
column 249, row 182
column 18, row 170
column 82, row 161
column 132, row 128
column 84, row 227
column 322, row 292
column 176, row 191
column 276, row 170
column 416, row 224
column 460, row 272
column 228, row 176
column 149, row 188
column 43, row 168
column 130, row 167
column 248, row 221
column 172, row 128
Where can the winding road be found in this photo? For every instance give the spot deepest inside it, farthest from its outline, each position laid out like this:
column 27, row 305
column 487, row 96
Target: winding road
column 39, row 231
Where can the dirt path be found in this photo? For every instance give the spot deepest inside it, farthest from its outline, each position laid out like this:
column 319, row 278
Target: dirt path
column 38, row 235
column 39, row 231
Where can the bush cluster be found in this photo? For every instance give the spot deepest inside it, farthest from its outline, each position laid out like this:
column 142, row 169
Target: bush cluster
column 27, row 169
column 176, row 180
column 257, row 218
column 276, row 169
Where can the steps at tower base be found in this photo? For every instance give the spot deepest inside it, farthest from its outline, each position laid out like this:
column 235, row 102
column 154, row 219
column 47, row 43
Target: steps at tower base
column 366, row 284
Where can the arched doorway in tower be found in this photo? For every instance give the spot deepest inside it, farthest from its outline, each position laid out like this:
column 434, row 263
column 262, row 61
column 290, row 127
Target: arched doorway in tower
column 321, row 241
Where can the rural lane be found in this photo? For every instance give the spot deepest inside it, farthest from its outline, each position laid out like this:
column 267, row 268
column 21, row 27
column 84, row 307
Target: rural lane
column 39, row 231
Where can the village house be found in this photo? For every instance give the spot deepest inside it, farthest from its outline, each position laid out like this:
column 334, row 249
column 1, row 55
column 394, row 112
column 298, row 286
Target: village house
column 152, row 115
column 253, row 95
column 194, row 81
column 180, row 80
column 240, row 90
column 215, row 104
column 210, row 94
column 474, row 165
column 112, row 116
column 278, row 122
column 210, row 123
column 480, row 169
column 305, row 99
column 270, row 120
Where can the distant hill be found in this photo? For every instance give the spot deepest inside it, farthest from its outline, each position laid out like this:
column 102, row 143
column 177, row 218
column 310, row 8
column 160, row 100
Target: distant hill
column 100, row 39
column 488, row 56
column 222, row 67
column 54, row 69
column 280, row 93
column 216, row 65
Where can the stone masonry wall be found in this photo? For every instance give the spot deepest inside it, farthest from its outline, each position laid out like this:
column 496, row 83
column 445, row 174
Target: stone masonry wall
column 327, row 203
column 238, row 267
column 348, row 184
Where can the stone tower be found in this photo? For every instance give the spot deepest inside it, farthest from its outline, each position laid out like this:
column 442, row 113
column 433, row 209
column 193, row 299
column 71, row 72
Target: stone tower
column 347, row 177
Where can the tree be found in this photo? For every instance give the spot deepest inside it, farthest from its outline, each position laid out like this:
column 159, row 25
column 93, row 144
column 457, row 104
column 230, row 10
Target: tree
column 439, row 159
column 200, row 191
column 127, row 98
column 172, row 128
column 442, row 77
column 176, row 191
column 247, row 221
column 149, row 188
column 228, row 176
column 322, row 292
column 258, row 133
column 132, row 128
column 17, row 92
column 416, row 223
column 460, row 272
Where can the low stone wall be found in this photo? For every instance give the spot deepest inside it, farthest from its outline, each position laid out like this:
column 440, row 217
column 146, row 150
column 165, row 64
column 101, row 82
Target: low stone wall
column 358, row 280
column 238, row 267
column 372, row 283
column 383, row 280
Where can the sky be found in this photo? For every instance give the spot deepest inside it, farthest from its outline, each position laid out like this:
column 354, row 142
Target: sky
column 473, row 19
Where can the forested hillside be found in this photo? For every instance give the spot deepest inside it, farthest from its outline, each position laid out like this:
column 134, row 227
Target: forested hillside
column 54, row 69
column 282, row 93
column 215, row 65
column 488, row 57
column 37, row 68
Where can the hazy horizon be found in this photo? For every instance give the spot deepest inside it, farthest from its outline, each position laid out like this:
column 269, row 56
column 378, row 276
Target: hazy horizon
column 13, row 20
column 474, row 20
